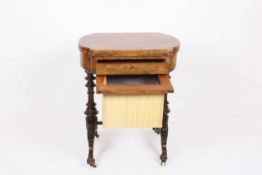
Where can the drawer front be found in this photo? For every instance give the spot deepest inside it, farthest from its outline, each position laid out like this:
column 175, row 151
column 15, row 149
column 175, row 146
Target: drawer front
column 135, row 67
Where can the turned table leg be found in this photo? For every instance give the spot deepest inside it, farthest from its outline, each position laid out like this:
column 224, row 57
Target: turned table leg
column 91, row 118
column 164, row 132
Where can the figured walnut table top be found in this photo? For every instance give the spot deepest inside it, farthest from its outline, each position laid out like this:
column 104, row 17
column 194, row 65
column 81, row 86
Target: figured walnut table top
column 128, row 42
column 127, row 46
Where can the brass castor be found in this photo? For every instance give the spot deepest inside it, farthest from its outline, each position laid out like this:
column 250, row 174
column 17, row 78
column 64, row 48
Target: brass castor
column 163, row 164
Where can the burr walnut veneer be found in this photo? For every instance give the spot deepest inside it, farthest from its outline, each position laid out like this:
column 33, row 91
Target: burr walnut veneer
column 132, row 74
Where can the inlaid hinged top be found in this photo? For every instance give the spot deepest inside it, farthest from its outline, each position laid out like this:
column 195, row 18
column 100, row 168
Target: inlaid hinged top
column 127, row 46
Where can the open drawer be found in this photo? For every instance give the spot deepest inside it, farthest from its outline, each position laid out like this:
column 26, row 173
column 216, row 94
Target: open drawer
column 133, row 101
column 133, row 84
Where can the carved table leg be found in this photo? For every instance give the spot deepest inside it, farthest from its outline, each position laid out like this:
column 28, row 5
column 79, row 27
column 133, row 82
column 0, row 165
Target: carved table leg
column 164, row 132
column 91, row 118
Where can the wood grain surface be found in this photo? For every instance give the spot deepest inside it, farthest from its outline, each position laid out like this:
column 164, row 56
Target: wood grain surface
column 122, row 46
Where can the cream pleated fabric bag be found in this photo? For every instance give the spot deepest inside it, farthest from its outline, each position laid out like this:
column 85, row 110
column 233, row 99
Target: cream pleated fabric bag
column 132, row 111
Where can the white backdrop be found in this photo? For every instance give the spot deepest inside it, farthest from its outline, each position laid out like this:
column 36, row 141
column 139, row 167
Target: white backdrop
column 215, row 120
